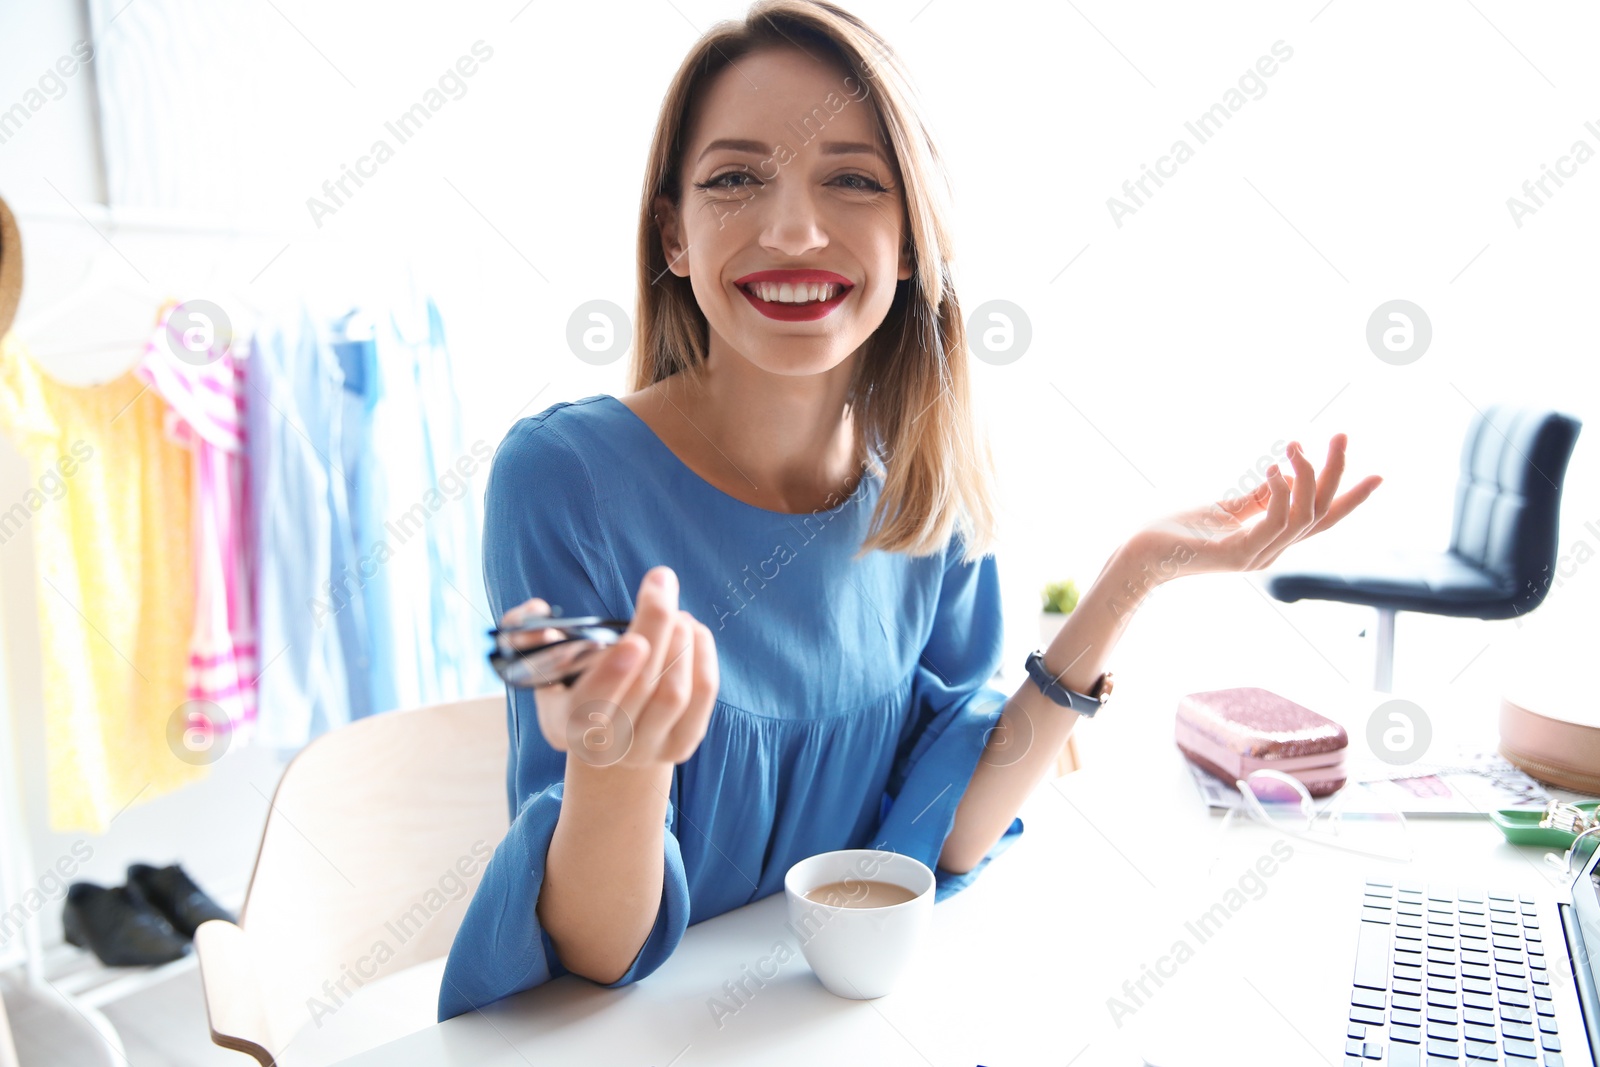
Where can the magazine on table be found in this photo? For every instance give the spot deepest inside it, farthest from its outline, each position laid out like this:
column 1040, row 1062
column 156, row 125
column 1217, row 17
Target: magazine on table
column 1467, row 782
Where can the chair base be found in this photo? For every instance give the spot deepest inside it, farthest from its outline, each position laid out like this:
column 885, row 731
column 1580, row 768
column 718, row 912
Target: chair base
column 1383, row 669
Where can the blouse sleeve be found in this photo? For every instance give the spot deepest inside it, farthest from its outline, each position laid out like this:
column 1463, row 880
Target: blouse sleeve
column 952, row 714
column 542, row 537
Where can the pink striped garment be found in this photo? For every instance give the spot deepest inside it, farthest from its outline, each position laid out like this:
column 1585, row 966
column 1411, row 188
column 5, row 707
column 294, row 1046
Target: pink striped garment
column 205, row 412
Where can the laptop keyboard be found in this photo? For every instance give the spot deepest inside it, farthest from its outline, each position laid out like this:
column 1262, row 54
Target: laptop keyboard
column 1446, row 979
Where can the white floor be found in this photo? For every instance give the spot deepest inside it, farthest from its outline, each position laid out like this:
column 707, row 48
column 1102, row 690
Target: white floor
column 163, row 1026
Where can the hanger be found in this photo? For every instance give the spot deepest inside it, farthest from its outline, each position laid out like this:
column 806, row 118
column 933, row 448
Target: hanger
column 373, row 290
column 246, row 306
column 407, row 293
column 106, row 276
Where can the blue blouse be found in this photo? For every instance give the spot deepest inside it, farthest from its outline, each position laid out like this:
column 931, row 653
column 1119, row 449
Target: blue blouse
column 852, row 707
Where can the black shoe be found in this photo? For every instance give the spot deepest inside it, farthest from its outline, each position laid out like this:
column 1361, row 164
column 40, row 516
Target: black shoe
column 170, row 891
column 121, row 930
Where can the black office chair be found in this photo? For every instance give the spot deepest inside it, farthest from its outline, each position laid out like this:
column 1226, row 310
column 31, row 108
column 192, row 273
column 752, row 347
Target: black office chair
column 1502, row 545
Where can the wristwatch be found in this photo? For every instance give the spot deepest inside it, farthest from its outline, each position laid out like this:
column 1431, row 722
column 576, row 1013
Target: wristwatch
column 1085, row 704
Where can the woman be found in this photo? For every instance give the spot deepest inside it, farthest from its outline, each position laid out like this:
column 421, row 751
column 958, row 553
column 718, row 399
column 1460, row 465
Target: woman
column 798, row 452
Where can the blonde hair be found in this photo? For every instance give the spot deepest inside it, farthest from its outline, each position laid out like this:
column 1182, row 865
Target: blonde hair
column 908, row 393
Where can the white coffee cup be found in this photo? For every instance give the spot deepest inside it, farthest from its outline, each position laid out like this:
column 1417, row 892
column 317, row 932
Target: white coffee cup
column 859, row 952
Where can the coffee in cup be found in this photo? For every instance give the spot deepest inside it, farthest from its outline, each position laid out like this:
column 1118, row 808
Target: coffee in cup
column 859, row 915
column 859, row 893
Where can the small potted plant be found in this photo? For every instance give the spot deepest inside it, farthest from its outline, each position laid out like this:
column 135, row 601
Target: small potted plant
column 1059, row 600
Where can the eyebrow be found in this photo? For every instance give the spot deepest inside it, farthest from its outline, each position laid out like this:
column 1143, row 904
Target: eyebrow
column 829, row 148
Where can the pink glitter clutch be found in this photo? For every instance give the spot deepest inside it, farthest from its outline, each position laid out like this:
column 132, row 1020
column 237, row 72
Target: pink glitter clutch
column 1231, row 732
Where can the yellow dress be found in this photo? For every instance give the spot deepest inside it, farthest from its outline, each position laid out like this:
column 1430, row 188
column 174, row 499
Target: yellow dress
column 108, row 510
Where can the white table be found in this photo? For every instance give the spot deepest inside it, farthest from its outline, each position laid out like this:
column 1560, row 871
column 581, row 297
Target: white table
column 1115, row 864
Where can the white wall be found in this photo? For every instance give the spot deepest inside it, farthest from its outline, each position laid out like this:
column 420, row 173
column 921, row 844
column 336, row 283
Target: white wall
column 1227, row 313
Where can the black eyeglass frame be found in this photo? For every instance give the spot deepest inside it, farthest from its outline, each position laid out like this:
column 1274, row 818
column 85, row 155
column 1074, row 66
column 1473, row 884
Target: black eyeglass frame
column 560, row 661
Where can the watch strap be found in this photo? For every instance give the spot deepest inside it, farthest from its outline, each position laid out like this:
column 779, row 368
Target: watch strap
column 1085, row 704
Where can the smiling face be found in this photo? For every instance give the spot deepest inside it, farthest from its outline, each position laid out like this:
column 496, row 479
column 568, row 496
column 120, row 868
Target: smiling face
column 789, row 194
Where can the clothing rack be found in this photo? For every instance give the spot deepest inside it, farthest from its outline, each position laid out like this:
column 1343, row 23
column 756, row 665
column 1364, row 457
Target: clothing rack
column 129, row 218
column 64, row 972
column 361, row 265
column 73, row 974
column 67, row 973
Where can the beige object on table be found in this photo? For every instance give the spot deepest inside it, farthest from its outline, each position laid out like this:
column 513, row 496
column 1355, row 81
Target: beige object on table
column 376, row 839
column 1549, row 720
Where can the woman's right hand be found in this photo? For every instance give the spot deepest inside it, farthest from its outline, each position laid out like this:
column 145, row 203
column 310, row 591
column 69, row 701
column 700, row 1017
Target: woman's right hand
column 644, row 701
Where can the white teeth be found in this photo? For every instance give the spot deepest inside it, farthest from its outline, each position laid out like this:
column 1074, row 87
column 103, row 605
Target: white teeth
column 790, row 294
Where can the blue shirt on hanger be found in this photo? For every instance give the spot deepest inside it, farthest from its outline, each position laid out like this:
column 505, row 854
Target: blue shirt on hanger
column 390, row 515
column 311, row 639
column 455, row 475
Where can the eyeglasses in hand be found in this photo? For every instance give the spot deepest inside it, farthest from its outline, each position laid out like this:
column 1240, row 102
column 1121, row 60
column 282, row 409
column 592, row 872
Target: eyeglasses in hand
column 561, row 660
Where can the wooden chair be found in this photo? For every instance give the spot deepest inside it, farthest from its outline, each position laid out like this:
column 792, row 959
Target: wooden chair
column 377, row 837
column 1069, row 760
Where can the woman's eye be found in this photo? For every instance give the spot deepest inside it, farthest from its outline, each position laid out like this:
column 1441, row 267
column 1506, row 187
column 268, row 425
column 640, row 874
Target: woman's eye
column 871, row 184
column 719, row 183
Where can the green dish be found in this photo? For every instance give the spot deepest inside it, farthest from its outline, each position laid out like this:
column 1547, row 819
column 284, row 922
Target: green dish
column 1521, row 826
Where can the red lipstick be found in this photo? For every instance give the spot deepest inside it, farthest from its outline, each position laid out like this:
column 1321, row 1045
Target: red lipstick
column 785, row 312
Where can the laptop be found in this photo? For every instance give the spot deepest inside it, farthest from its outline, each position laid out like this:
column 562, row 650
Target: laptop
column 1456, row 977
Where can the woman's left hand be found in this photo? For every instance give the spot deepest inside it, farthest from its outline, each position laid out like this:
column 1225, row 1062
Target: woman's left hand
column 1215, row 537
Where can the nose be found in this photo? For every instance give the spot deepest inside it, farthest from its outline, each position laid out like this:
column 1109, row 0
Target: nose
column 793, row 226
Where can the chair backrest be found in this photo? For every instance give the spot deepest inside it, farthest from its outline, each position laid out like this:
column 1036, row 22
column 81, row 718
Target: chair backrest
column 1508, row 498
column 376, row 839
